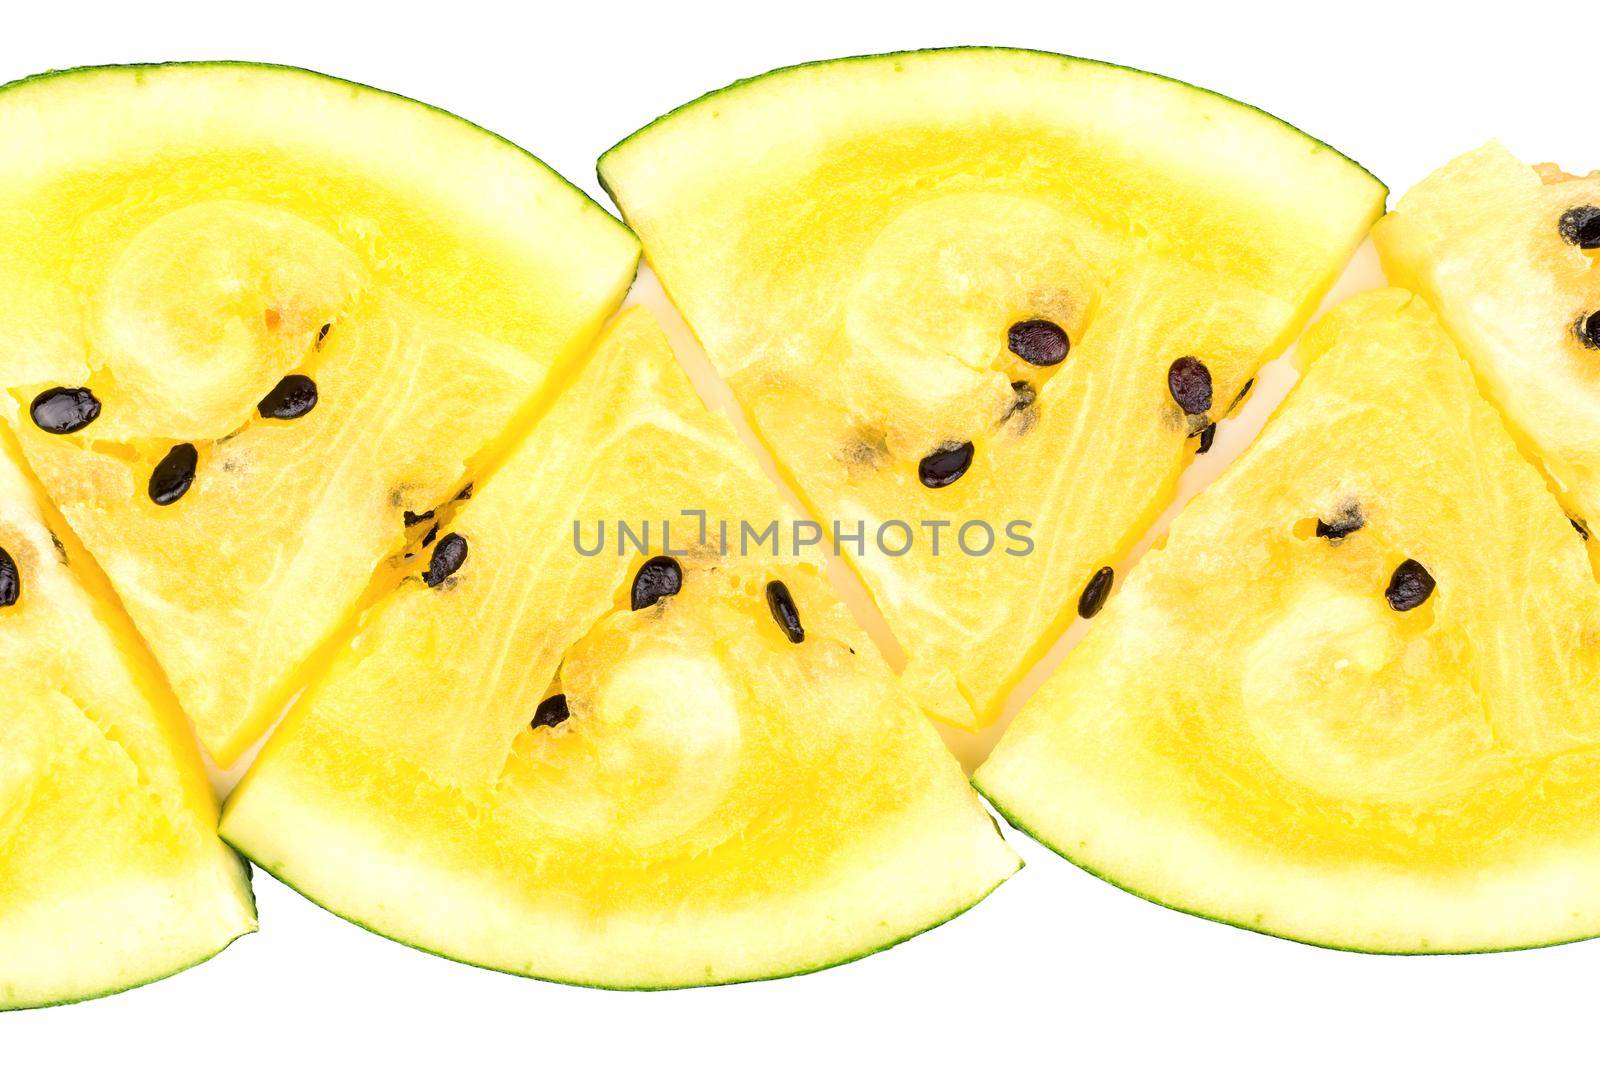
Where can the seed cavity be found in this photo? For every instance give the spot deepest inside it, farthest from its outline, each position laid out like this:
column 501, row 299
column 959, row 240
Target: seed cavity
column 1025, row 396
column 945, row 465
column 448, row 556
column 1581, row 226
column 427, row 538
column 1409, row 586
column 866, row 448
column 552, row 711
column 10, row 580
column 322, row 335
column 63, row 410
column 1588, row 330
column 1207, row 436
column 413, row 518
column 660, row 576
column 1038, row 341
column 1244, row 392
column 174, row 474
column 784, row 611
column 291, row 398
column 1189, row 382
column 1344, row 523
column 1094, row 594
column 1579, row 525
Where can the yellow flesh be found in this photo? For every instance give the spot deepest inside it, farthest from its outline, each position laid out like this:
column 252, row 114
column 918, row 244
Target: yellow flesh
column 710, row 771
column 852, row 240
column 1253, row 734
column 111, row 873
column 176, row 239
column 1480, row 238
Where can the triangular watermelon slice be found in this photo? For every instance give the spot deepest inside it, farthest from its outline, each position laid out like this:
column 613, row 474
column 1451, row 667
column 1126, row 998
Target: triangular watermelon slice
column 111, row 873
column 1355, row 698
column 983, row 305
column 253, row 320
column 633, row 764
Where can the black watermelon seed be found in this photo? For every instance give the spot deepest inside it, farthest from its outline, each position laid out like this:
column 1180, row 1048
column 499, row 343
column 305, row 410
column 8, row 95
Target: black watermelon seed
column 659, row 577
column 174, row 474
column 1038, row 341
column 291, row 398
column 552, row 711
column 64, row 410
column 1207, row 436
column 1189, row 382
column 1581, row 226
column 448, row 556
column 1093, row 597
column 322, row 334
column 466, row 492
column 1409, row 586
column 412, row 518
column 10, row 580
column 1583, row 530
column 784, row 611
column 1589, row 330
column 943, row 466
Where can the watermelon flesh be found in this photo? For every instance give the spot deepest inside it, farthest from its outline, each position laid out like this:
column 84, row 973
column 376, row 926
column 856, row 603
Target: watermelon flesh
column 1353, row 699
column 951, row 290
column 1507, row 253
column 300, row 365
column 621, row 769
column 426, row 281
column 111, row 872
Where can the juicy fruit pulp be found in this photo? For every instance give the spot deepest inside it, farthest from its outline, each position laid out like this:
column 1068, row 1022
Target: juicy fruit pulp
column 875, row 251
column 690, row 770
column 111, row 873
column 1499, row 248
column 1383, row 740
column 189, row 246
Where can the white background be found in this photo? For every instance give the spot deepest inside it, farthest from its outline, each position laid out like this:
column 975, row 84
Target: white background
column 1055, row 964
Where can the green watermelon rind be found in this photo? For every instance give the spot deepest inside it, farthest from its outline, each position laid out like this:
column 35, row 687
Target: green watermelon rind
column 829, row 965
column 246, row 878
column 741, row 83
column 1358, row 950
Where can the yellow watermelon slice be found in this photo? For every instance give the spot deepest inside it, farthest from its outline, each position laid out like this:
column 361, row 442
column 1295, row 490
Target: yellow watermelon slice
column 1354, row 699
column 111, row 873
column 988, row 302
column 617, row 764
column 252, row 320
column 1508, row 253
